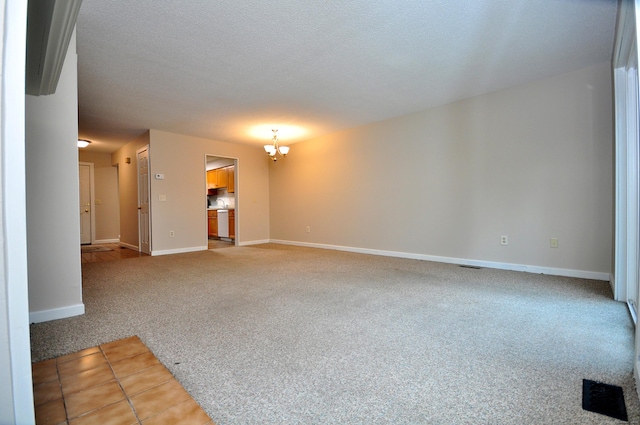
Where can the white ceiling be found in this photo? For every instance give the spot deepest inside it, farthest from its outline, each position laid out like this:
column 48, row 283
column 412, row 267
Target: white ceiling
column 219, row 69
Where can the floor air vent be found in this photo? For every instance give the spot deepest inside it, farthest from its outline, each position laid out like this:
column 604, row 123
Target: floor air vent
column 604, row 399
column 470, row 267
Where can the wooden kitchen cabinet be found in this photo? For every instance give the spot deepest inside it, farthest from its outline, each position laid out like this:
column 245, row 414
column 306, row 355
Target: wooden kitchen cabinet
column 212, row 217
column 212, row 179
column 223, row 177
column 231, row 182
column 232, row 224
column 217, row 178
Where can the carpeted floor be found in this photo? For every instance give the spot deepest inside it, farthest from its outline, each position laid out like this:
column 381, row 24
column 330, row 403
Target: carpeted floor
column 275, row 334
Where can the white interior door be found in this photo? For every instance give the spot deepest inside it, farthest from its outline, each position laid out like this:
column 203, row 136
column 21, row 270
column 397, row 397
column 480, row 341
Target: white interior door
column 85, row 203
column 627, row 168
column 633, row 167
column 627, row 185
column 144, row 222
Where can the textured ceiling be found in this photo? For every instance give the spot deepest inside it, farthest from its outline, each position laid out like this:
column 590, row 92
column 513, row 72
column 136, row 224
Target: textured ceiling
column 220, row 69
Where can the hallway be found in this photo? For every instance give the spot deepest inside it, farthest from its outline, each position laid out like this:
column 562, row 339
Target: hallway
column 107, row 252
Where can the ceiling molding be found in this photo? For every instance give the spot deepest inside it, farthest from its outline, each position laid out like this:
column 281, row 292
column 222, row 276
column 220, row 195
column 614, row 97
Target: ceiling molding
column 50, row 24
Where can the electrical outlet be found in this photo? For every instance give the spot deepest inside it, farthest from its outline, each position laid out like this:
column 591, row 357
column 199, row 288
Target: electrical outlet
column 162, row 198
column 504, row 240
column 554, row 242
column 308, row 229
column 171, row 233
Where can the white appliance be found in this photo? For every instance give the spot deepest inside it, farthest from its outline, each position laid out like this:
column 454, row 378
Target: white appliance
column 223, row 223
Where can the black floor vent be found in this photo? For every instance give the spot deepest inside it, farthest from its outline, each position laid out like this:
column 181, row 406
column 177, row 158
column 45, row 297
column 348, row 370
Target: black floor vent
column 604, row 399
column 470, row 267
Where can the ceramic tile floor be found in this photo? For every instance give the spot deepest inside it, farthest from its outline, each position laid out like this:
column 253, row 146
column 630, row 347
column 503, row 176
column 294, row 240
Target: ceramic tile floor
column 119, row 383
column 117, row 253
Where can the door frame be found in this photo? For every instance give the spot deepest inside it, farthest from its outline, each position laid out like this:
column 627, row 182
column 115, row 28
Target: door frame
column 236, row 164
column 92, row 202
column 16, row 405
column 626, row 249
column 626, row 151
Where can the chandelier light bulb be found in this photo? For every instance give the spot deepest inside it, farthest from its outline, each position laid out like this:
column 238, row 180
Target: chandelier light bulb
column 274, row 150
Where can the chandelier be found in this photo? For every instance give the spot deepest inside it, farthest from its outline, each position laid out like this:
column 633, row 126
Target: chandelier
column 274, row 150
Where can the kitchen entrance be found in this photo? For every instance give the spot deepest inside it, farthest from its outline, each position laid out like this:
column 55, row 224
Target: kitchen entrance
column 221, row 201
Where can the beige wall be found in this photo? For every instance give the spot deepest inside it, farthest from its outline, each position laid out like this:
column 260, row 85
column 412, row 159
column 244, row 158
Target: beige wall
column 182, row 161
column 128, row 189
column 531, row 162
column 53, row 219
column 107, row 206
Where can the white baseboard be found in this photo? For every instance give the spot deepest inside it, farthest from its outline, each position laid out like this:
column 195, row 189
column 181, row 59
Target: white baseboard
column 583, row 274
column 128, row 245
column 56, row 313
column 259, row 242
column 178, row 250
column 99, row 241
column 637, row 377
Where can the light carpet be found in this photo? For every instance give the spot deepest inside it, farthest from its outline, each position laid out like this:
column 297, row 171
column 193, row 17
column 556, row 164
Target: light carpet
column 275, row 334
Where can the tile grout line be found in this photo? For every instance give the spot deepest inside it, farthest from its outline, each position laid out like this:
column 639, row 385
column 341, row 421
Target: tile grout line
column 126, row 396
column 58, row 379
column 64, row 400
column 115, row 378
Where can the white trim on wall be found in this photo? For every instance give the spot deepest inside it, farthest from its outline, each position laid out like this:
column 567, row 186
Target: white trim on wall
column 582, row 274
column 257, row 242
column 130, row 246
column 56, row 313
column 178, row 250
column 100, row 241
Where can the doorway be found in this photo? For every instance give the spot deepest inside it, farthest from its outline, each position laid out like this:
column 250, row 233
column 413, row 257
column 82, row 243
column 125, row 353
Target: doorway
column 144, row 221
column 87, row 216
column 221, row 201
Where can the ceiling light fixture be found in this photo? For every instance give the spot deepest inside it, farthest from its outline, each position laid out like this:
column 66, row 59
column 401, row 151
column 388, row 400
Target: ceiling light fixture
column 274, row 150
column 83, row 143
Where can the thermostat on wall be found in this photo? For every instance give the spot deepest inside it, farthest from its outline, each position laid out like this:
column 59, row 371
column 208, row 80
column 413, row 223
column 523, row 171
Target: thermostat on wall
column 159, row 176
